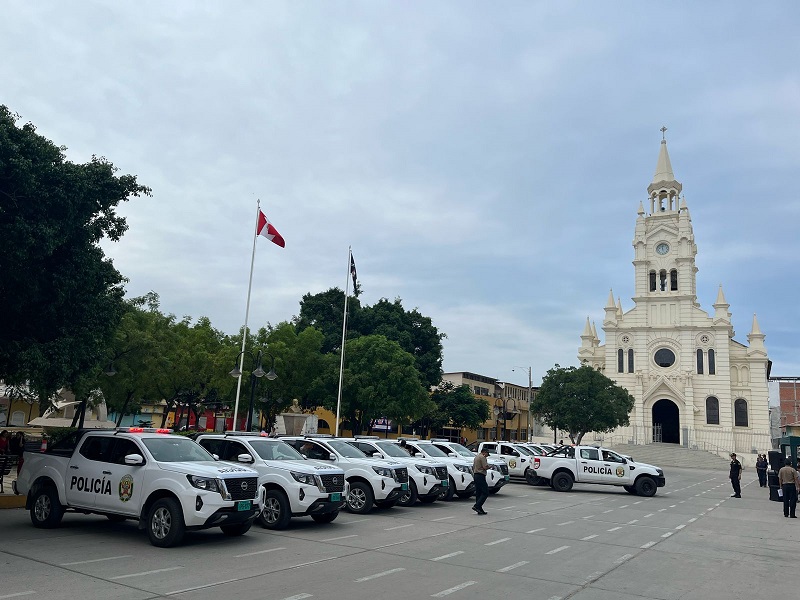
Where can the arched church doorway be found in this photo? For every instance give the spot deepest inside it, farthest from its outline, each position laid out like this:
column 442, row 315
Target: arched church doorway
column 666, row 420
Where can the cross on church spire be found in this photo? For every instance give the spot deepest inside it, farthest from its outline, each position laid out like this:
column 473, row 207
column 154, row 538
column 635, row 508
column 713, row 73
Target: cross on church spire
column 663, row 131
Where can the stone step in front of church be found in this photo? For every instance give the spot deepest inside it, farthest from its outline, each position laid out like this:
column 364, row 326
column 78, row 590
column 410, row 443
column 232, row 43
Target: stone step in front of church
column 672, row 455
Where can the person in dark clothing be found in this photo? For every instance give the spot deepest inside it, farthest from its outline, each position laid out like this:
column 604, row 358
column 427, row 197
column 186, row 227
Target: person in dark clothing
column 789, row 482
column 736, row 476
column 761, row 469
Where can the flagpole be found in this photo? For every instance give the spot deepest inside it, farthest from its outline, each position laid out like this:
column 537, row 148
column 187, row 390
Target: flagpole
column 344, row 333
column 246, row 316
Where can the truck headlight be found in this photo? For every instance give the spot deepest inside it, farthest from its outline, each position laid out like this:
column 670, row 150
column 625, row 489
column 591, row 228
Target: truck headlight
column 205, row 483
column 425, row 469
column 384, row 472
column 306, row 478
column 464, row 468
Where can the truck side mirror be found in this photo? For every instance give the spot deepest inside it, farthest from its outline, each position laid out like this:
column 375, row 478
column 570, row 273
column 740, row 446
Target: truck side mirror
column 331, row 456
column 134, row 459
column 244, row 458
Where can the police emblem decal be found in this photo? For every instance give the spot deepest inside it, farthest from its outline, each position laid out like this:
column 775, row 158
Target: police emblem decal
column 620, row 471
column 126, row 488
column 512, row 463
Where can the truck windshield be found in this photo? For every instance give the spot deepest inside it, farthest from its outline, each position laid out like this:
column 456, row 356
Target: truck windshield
column 275, row 450
column 432, row 450
column 462, row 450
column 390, row 449
column 176, row 449
column 347, row 450
column 525, row 451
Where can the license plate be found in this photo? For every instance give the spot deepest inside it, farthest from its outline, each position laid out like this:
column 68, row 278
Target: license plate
column 445, row 483
column 404, row 486
column 243, row 505
column 336, row 497
column 507, row 477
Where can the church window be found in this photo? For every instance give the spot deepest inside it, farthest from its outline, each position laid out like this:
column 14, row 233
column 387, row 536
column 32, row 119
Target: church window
column 712, row 367
column 673, row 280
column 699, row 362
column 620, row 366
column 664, row 357
column 740, row 413
column 630, row 360
column 652, row 281
column 712, row 410
column 662, row 278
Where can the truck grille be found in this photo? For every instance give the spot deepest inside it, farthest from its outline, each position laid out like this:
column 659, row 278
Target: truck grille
column 242, row 488
column 441, row 473
column 504, row 469
column 402, row 474
column 333, row 483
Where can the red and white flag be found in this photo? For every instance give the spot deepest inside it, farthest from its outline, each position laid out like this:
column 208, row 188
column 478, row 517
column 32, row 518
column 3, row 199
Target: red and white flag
column 266, row 229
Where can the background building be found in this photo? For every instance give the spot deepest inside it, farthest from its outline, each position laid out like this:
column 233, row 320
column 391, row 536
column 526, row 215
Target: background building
column 694, row 384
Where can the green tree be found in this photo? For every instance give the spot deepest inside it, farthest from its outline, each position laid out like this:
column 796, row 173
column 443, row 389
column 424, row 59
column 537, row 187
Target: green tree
column 579, row 400
column 455, row 406
column 380, row 380
column 60, row 297
column 324, row 312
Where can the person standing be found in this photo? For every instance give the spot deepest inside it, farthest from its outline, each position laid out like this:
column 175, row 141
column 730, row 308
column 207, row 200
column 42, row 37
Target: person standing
column 479, row 467
column 736, row 476
column 761, row 469
column 789, row 482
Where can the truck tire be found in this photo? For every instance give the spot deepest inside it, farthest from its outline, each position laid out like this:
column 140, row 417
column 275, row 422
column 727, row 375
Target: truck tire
column 630, row 489
column 428, row 499
column 277, row 513
column 409, row 497
column 360, row 498
column 562, row 482
column 165, row 525
column 235, row 530
column 326, row 517
column 646, row 486
column 532, row 478
column 46, row 510
column 448, row 492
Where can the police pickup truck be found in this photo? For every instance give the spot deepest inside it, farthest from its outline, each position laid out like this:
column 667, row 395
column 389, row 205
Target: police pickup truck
column 593, row 464
column 517, row 457
column 497, row 475
column 166, row 482
column 372, row 481
column 293, row 485
column 460, row 483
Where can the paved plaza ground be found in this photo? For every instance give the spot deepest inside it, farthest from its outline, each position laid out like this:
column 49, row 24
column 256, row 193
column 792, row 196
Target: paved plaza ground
column 690, row 542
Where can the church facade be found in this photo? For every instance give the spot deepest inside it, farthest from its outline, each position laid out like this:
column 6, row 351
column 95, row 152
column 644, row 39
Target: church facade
column 693, row 383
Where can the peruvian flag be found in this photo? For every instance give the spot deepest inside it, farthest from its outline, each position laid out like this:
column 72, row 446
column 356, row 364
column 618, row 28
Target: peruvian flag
column 266, row 229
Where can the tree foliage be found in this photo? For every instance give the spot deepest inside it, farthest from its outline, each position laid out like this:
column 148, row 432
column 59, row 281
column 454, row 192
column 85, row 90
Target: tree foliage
column 455, row 406
column 60, row 297
column 579, row 400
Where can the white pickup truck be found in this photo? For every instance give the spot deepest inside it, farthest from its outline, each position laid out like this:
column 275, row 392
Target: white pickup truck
column 517, row 457
column 593, row 464
column 168, row 483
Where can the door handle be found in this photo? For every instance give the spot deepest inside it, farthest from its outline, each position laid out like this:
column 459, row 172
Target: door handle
column 73, row 467
column 106, row 472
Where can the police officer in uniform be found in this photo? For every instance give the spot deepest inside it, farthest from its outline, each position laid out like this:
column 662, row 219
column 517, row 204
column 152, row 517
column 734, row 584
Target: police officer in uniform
column 736, row 476
column 788, row 480
column 479, row 467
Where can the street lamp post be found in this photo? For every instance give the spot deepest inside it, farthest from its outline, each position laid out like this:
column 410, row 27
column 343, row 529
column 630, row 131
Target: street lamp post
column 256, row 374
column 497, row 413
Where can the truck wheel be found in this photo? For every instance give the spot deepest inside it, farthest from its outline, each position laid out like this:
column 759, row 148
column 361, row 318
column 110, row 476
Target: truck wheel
column 46, row 510
column 447, row 493
column 277, row 513
column 562, row 482
column 165, row 526
column 326, row 517
column 409, row 497
column 645, row 486
column 234, row 530
column 360, row 498
column 630, row 489
column 429, row 499
column 532, row 478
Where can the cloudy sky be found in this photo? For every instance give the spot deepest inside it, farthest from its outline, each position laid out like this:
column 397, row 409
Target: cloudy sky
column 486, row 164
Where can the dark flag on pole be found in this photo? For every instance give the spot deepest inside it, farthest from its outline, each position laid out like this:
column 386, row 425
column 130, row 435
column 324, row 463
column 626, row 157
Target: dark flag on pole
column 353, row 270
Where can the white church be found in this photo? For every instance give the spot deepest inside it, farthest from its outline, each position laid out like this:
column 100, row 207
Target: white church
column 694, row 384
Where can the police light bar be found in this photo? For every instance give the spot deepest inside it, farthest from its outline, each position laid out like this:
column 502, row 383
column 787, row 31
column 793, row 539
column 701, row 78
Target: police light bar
column 144, row 429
